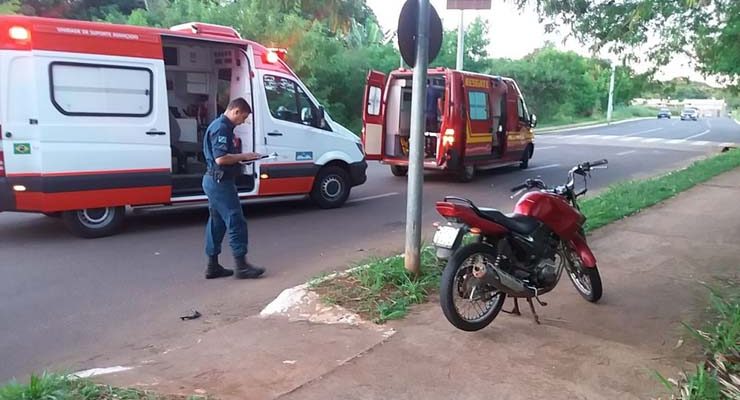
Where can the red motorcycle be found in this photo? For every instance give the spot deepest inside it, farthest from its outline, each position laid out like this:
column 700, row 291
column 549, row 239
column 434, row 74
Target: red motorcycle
column 521, row 255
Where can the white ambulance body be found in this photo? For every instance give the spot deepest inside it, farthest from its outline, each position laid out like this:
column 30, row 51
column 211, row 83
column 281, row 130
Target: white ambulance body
column 97, row 117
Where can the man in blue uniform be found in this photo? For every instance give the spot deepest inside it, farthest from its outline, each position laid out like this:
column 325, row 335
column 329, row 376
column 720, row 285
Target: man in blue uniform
column 219, row 183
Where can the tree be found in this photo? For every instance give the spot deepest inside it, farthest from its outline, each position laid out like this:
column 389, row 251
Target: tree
column 10, row 6
column 338, row 15
column 475, row 53
column 708, row 31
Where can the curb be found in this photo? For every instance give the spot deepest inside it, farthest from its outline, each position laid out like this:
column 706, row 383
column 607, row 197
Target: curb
column 566, row 128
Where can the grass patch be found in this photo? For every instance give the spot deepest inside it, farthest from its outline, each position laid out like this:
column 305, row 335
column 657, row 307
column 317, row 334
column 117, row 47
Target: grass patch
column 717, row 378
column 627, row 198
column 382, row 290
column 61, row 387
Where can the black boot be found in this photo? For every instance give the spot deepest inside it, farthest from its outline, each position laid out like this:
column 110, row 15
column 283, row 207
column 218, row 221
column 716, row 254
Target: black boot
column 215, row 270
column 244, row 270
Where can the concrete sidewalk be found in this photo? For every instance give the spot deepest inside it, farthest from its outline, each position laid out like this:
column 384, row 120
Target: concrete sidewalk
column 651, row 264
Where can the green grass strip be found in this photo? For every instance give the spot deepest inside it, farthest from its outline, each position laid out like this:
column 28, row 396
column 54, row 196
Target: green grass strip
column 627, row 198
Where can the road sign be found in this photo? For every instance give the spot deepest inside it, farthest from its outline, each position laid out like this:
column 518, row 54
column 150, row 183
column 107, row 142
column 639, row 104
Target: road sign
column 408, row 24
column 468, row 4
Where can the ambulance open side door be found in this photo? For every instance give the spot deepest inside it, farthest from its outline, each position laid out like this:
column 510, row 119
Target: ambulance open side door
column 373, row 116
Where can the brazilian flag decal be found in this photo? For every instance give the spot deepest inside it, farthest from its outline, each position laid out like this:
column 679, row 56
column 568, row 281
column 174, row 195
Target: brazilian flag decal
column 22, row 148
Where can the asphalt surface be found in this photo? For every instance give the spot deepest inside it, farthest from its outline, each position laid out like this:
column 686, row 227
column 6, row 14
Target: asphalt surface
column 66, row 301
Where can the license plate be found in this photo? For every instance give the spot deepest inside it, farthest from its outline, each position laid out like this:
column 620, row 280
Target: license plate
column 446, row 236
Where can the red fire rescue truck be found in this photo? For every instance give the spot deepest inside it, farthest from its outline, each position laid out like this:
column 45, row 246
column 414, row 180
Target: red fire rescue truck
column 473, row 121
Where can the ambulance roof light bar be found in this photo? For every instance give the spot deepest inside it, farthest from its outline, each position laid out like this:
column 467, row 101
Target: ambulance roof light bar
column 19, row 33
column 274, row 54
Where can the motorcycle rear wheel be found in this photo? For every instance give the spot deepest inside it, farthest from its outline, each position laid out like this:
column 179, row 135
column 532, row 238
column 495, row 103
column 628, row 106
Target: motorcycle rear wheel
column 458, row 283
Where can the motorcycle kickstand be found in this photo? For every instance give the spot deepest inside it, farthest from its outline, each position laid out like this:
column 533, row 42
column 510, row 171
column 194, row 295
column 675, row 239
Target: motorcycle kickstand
column 515, row 310
column 534, row 313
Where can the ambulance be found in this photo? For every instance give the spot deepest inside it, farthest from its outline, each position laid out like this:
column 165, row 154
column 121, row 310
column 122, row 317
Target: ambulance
column 472, row 121
column 95, row 118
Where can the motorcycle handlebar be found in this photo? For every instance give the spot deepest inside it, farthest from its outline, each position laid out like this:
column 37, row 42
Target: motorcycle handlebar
column 598, row 163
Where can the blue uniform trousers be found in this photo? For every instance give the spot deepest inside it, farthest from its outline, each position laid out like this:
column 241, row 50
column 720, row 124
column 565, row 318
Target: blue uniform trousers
column 225, row 213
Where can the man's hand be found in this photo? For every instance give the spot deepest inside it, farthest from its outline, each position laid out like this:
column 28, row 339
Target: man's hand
column 251, row 156
column 231, row 159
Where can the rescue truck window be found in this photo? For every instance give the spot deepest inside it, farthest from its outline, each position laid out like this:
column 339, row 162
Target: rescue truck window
column 522, row 109
column 101, row 90
column 478, row 105
column 373, row 101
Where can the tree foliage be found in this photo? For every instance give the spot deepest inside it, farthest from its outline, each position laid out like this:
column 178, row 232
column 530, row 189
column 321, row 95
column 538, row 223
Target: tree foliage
column 332, row 44
column 708, row 31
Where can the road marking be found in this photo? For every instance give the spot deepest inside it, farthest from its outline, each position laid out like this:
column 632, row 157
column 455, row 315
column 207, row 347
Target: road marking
column 629, row 139
column 624, row 153
column 641, row 132
column 546, row 148
column 728, row 144
column 652, row 140
column 379, row 196
column 676, row 141
column 699, row 143
column 543, row 167
column 701, row 134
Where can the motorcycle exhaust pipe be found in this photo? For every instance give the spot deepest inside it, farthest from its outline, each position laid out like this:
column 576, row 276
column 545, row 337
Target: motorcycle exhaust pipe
column 502, row 281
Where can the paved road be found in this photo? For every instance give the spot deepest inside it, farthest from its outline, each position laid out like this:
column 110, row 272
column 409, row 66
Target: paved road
column 662, row 132
column 65, row 301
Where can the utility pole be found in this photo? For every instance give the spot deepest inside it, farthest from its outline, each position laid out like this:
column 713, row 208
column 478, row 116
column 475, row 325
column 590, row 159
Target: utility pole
column 412, row 259
column 610, row 106
column 460, row 43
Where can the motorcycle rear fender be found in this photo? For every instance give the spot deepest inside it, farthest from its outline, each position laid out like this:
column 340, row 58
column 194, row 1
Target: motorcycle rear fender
column 578, row 243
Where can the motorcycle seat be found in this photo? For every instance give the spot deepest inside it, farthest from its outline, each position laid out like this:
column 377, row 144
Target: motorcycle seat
column 514, row 222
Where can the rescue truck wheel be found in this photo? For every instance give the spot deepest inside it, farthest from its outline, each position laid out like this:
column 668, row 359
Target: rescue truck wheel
column 399, row 170
column 94, row 222
column 524, row 163
column 331, row 188
column 467, row 174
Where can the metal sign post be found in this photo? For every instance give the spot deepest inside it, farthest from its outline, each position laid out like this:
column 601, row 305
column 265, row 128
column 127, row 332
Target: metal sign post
column 465, row 5
column 420, row 39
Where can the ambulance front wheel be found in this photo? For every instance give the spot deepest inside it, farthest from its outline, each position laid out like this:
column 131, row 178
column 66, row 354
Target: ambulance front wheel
column 399, row 170
column 524, row 163
column 331, row 187
column 95, row 222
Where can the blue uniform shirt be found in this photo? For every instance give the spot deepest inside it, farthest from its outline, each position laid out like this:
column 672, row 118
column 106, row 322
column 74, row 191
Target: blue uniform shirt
column 219, row 141
column 433, row 94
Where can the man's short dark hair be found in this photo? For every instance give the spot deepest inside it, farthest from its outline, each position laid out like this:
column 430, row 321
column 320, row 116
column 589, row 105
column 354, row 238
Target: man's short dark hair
column 240, row 104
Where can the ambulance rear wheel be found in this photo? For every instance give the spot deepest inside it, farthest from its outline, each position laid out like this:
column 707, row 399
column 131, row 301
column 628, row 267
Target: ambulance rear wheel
column 399, row 170
column 331, row 187
column 94, row 222
column 467, row 174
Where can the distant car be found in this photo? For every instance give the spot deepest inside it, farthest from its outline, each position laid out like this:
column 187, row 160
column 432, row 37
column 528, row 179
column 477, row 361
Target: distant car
column 664, row 113
column 690, row 113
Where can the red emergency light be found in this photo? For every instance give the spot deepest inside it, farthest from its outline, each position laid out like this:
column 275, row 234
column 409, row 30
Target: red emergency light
column 273, row 55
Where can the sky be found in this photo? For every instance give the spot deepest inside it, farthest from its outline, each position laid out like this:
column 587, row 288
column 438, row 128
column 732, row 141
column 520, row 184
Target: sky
column 504, row 18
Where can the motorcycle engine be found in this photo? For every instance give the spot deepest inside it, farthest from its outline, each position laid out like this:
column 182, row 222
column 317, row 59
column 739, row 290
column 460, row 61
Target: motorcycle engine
column 547, row 272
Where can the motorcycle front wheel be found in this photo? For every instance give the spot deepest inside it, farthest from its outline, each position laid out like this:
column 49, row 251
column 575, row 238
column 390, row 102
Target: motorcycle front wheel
column 467, row 303
column 587, row 281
